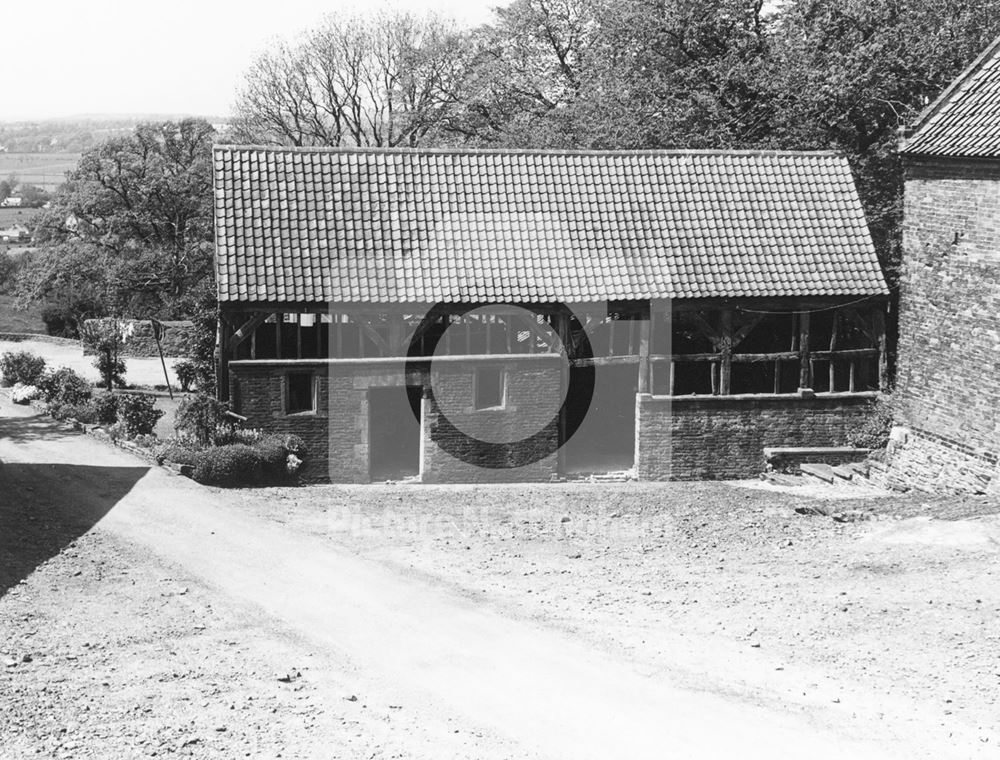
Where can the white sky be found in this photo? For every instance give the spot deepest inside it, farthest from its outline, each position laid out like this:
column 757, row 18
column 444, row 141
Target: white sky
column 72, row 57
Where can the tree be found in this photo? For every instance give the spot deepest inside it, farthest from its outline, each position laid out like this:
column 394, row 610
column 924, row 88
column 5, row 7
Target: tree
column 386, row 80
column 846, row 74
column 132, row 227
column 631, row 74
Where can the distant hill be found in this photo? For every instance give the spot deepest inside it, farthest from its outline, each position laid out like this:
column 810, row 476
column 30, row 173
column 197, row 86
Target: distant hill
column 73, row 134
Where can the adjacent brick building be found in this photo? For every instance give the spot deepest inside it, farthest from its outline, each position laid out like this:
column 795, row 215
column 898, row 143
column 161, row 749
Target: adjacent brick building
column 949, row 344
column 463, row 316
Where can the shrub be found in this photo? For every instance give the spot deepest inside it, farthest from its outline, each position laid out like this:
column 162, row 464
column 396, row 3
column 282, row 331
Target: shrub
column 112, row 369
column 105, row 408
column 274, row 457
column 203, row 419
column 22, row 394
column 873, row 431
column 178, row 452
column 107, row 337
column 64, row 386
column 21, row 367
column 83, row 412
column 60, row 320
column 187, row 373
column 137, row 414
column 234, row 465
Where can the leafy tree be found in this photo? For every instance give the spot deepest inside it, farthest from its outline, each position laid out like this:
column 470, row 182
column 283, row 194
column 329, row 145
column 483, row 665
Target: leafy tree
column 390, row 79
column 846, row 74
column 132, row 227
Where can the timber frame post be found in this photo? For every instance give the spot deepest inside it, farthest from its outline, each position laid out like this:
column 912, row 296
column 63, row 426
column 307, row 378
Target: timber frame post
column 805, row 362
column 223, row 353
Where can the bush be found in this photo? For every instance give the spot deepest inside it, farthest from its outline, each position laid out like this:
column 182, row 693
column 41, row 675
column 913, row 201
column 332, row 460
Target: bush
column 187, row 373
column 137, row 414
column 873, row 431
column 21, row 367
column 112, row 369
column 84, row 412
column 178, row 452
column 22, row 394
column 274, row 457
column 105, row 408
column 203, row 419
column 64, row 386
column 235, row 465
column 60, row 321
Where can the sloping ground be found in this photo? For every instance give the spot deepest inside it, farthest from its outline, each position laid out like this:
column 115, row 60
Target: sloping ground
column 580, row 620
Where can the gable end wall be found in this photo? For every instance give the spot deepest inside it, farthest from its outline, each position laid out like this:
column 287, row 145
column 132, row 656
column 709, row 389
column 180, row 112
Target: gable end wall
column 948, row 381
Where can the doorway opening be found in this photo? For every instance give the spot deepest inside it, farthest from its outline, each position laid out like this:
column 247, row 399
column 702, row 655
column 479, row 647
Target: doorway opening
column 393, row 432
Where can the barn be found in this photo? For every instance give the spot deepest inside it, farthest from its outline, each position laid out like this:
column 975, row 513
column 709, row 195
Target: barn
column 474, row 316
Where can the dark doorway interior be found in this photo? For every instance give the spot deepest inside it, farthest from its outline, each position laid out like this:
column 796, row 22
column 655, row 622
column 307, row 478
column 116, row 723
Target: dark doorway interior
column 393, row 432
column 605, row 441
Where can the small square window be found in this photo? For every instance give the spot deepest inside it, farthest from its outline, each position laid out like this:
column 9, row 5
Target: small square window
column 301, row 392
column 490, row 387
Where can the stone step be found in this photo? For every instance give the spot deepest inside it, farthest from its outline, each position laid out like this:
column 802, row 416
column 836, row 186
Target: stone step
column 860, row 468
column 843, row 472
column 782, row 479
column 823, row 472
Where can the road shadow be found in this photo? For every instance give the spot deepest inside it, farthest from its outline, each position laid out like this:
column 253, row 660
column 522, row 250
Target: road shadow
column 45, row 507
column 27, row 429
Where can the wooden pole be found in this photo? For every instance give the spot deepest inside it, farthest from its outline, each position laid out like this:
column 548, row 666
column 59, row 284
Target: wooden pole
column 644, row 337
column 831, row 386
column 883, row 356
column 804, row 360
column 159, row 347
column 726, row 349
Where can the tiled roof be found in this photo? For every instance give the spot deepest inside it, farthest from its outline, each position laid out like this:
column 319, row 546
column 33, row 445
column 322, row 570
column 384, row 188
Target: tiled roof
column 965, row 119
column 378, row 225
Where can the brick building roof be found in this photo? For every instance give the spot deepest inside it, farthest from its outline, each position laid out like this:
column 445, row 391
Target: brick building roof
column 379, row 225
column 965, row 118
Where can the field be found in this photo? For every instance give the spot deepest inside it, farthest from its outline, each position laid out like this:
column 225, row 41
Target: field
column 46, row 170
column 9, row 216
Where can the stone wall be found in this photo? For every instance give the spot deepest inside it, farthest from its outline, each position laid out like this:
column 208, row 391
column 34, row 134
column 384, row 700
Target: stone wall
column 176, row 339
column 724, row 437
column 948, row 378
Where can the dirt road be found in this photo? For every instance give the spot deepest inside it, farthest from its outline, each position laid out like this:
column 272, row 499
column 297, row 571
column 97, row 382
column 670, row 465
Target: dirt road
column 447, row 673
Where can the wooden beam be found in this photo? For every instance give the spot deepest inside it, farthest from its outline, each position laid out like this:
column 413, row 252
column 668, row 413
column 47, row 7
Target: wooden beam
column 785, row 356
column 246, row 330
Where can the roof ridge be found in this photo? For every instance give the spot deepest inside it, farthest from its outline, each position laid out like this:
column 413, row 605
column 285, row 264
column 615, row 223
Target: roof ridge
column 908, row 131
column 523, row 151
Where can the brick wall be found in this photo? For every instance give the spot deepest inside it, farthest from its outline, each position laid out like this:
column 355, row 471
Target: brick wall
column 534, row 392
column 948, row 378
column 724, row 437
column 337, row 432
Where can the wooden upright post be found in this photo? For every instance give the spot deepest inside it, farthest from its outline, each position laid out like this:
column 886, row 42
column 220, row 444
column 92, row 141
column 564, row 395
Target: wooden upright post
column 726, row 349
column 223, row 335
column 883, row 357
column 805, row 380
column 645, row 331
